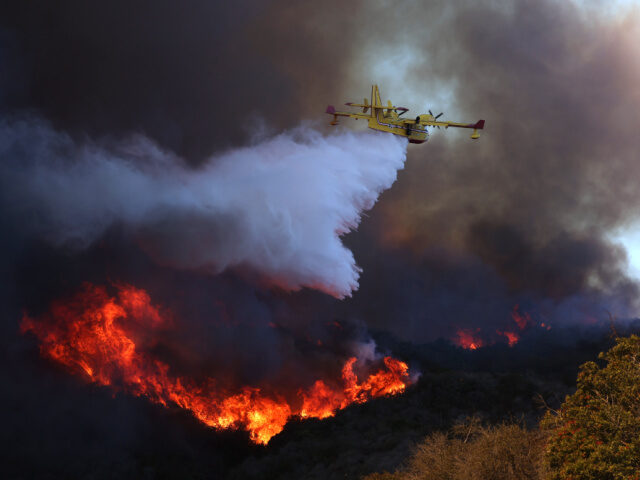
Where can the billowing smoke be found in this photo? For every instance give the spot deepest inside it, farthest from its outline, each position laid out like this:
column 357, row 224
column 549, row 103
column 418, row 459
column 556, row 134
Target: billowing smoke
column 277, row 208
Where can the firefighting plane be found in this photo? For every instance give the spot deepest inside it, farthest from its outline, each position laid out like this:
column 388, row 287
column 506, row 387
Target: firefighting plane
column 388, row 118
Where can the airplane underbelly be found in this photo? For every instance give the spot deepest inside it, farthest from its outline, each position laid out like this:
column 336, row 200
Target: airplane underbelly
column 415, row 135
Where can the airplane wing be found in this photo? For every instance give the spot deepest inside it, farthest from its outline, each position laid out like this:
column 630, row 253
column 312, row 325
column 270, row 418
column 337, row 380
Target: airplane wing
column 479, row 125
column 332, row 111
column 385, row 107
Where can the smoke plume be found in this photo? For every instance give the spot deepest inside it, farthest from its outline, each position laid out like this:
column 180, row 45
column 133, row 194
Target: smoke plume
column 276, row 209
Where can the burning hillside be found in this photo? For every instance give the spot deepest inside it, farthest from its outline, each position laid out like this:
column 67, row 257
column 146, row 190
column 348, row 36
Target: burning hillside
column 109, row 340
column 472, row 339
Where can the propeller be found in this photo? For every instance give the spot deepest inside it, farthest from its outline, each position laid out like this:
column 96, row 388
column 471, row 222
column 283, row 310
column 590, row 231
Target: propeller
column 435, row 117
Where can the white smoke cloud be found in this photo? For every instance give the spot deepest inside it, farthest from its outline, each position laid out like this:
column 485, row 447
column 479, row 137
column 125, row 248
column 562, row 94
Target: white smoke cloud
column 278, row 207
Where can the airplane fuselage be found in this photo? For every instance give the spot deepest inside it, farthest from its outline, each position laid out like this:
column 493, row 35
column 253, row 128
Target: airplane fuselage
column 391, row 123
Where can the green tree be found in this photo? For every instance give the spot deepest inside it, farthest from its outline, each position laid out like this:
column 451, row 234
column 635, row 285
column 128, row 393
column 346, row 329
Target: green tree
column 596, row 433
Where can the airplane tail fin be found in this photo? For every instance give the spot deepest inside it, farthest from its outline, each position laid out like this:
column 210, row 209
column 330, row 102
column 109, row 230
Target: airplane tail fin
column 376, row 101
column 331, row 110
column 479, row 125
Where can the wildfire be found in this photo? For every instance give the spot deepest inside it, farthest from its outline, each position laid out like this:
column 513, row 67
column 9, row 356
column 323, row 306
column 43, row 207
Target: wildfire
column 96, row 336
column 471, row 339
column 522, row 320
column 468, row 339
column 322, row 402
column 512, row 337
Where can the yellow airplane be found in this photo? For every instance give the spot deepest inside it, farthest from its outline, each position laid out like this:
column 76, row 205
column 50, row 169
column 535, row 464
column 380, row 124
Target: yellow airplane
column 387, row 118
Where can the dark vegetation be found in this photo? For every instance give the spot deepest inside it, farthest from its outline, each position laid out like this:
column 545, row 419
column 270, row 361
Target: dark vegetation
column 472, row 414
column 593, row 435
column 470, row 451
column 380, row 434
column 505, row 390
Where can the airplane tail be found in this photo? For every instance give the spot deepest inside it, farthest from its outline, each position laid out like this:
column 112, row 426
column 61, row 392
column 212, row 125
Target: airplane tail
column 479, row 125
column 376, row 101
column 331, row 110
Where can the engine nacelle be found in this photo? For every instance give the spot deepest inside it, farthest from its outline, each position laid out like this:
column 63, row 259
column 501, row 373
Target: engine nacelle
column 425, row 117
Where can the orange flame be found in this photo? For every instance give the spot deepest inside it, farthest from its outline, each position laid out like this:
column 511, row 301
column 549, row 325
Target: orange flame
column 523, row 320
column 512, row 337
column 471, row 340
column 95, row 335
column 321, row 401
column 468, row 339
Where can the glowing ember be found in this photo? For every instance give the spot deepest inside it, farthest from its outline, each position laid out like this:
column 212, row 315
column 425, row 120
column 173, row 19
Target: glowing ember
column 523, row 320
column 468, row 339
column 95, row 335
column 471, row 340
column 512, row 337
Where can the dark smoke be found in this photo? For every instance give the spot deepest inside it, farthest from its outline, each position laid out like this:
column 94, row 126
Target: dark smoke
column 536, row 202
column 195, row 78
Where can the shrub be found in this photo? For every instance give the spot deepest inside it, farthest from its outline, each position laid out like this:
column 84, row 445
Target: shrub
column 596, row 433
column 473, row 452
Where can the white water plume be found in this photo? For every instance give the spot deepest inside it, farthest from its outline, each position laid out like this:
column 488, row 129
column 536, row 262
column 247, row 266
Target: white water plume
column 277, row 208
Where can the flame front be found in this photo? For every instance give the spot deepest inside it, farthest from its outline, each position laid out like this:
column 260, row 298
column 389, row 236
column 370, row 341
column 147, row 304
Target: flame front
column 320, row 401
column 94, row 335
